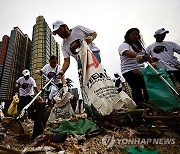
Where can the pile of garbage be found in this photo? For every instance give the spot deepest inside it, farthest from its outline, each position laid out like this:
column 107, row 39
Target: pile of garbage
column 132, row 131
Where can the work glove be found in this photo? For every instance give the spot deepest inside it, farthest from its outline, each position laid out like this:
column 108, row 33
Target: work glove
column 89, row 39
column 154, row 65
column 38, row 72
column 2, row 105
column 65, row 88
column 60, row 73
column 140, row 58
column 17, row 85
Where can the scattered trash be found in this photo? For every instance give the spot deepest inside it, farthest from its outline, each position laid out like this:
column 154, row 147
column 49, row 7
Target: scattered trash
column 139, row 150
column 12, row 110
column 80, row 127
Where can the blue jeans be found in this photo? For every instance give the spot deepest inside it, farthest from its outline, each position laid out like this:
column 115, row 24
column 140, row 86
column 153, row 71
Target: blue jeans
column 97, row 55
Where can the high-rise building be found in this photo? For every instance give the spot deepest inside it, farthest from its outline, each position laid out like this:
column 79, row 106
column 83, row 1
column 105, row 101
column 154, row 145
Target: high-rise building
column 43, row 46
column 3, row 51
column 17, row 59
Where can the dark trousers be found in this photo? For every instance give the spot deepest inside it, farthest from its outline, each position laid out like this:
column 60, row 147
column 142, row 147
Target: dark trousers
column 41, row 114
column 137, row 84
column 175, row 77
column 23, row 101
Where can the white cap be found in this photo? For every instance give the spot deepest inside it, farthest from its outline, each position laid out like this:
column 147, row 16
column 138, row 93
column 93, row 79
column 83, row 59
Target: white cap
column 161, row 31
column 56, row 25
column 26, row 72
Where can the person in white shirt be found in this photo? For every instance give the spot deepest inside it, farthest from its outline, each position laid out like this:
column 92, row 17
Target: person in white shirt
column 163, row 53
column 26, row 86
column 132, row 56
column 70, row 41
column 51, row 70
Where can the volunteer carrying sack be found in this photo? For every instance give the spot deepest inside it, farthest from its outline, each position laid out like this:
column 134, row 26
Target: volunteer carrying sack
column 97, row 88
column 159, row 92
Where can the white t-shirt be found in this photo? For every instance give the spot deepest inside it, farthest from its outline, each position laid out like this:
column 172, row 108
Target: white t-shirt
column 77, row 32
column 48, row 69
column 128, row 64
column 26, row 86
column 165, row 52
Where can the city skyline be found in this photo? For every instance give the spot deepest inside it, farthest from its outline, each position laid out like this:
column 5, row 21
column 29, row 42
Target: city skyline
column 22, row 53
column 110, row 19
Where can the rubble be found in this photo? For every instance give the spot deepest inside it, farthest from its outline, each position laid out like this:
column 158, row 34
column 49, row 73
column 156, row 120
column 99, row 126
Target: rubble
column 124, row 129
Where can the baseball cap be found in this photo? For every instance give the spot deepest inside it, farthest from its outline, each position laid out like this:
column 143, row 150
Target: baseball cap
column 26, row 72
column 56, row 25
column 161, row 31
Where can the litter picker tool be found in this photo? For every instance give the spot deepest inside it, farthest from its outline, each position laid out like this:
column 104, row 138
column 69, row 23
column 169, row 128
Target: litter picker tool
column 28, row 105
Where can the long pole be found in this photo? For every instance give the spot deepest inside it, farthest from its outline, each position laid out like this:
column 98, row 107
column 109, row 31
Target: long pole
column 163, row 79
column 28, row 105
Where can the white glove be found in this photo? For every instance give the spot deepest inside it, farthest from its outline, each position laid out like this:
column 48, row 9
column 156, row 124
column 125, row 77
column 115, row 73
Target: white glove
column 65, row 88
column 38, row 72
column 89, row 39
column 2, row 105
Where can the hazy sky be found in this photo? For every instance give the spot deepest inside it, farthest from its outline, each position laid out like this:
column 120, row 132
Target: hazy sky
column 109, row 18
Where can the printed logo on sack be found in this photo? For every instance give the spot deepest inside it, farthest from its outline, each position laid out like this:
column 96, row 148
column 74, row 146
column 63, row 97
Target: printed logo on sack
column 95, row 62
column 108, row 141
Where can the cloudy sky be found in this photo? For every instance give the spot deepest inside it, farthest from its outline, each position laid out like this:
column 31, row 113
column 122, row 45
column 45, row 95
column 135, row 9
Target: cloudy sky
column 109, row 18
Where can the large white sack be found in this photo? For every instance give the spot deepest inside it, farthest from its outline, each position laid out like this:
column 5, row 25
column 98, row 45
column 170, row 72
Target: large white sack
column 96, row 86
column 62, row 107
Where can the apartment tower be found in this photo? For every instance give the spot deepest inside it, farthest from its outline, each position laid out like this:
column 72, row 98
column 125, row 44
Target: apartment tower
column 43, row 46
column 3, row 50
column 17, row 59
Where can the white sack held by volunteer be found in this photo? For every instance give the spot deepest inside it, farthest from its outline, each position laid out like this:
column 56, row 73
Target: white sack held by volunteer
column 97, row 87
